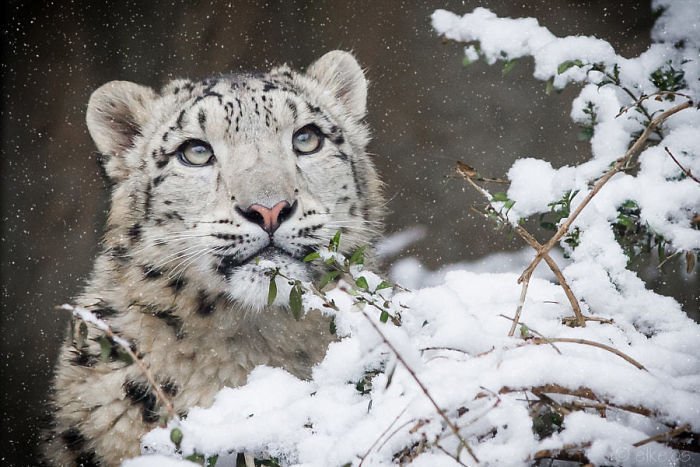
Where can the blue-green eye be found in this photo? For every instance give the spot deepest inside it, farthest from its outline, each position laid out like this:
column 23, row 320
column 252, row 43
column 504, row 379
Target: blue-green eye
column 195, row 153
column 307, row 140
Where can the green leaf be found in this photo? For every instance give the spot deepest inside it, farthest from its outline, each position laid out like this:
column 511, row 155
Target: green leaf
column 549, row 87
column 524, row 331
column 271, row 291
column 358, row 257
column 196, row 458
column 335, row 242
column 508, row 66
column 548, row 225
column 327, row 278
column 509, row 204
column 466, row 61
column 295, row 301
column 361, row 282
column 384, row 316
column 124, row 357
column 499, row 196
column 383, row 285
column 312, row 256
column 332, row 327
column 176, row 437
column 563, row 66
column 105, row 348
column 585, row 134
column 211, row 460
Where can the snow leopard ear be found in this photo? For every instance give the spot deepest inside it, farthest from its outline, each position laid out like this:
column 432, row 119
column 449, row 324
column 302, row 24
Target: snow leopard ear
column 116, row 114
column 339, row 72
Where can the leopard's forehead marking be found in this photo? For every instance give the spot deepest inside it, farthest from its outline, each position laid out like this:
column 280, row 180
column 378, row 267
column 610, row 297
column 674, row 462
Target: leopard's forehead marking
column 246, row 105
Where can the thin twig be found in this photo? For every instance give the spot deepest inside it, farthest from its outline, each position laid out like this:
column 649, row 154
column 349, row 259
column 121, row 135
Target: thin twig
column 455, row 458
column 685, row 171
column 396, row 419
column 666, row 436
column 88, row 317
column 618, row 166
column 568, row 452
column 668, row 258
column 645, row 97
column 420, row 384
column 531, row 329
column 549, row 340
column 583, row 392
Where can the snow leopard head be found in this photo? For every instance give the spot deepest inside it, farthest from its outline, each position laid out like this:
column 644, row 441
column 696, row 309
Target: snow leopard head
column 211, row 177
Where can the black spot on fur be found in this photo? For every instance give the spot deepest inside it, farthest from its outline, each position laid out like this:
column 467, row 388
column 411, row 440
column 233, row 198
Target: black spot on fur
column 342, row 156
column 87, row 459
column 293, row 108
column 177, row 284
column 73, row 439
column 140, row 393
column 170, row 388
column 174, row 215
column 81, row 357
column 104, row 311
column 205, row 304
column 202, row 119
column 159, row 179
column 148, row 200
column 313, row 109
column 225, row 265
column 135, row 232
column 172, row 320
column 180, row 118
column 151, row 272
column 160, row 163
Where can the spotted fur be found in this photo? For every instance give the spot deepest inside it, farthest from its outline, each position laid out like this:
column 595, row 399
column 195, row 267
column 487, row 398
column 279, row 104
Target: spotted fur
column 178, row 276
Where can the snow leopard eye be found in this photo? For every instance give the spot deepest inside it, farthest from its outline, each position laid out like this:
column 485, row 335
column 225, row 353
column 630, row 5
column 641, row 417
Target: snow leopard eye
column 195, row 153
column 307, row 140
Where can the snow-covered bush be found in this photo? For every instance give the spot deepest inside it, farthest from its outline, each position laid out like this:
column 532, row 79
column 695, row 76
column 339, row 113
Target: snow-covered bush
column 505, row 369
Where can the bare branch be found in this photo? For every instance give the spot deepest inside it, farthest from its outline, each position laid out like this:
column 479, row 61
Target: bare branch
column 582, row 392
column 548, row 340
column 618, row 166
column 532, row 241
column 663, row 437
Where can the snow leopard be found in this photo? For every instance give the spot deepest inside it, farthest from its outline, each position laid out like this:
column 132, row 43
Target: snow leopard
column 212, row 182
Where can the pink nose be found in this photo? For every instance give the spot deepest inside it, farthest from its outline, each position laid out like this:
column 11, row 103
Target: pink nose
column 268, row 218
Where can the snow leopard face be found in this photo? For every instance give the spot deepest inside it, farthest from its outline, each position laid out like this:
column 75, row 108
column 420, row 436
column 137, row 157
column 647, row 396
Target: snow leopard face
column 217, row 181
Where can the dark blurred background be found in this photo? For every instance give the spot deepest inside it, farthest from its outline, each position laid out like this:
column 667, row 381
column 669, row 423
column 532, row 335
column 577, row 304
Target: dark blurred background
column 426, row 110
